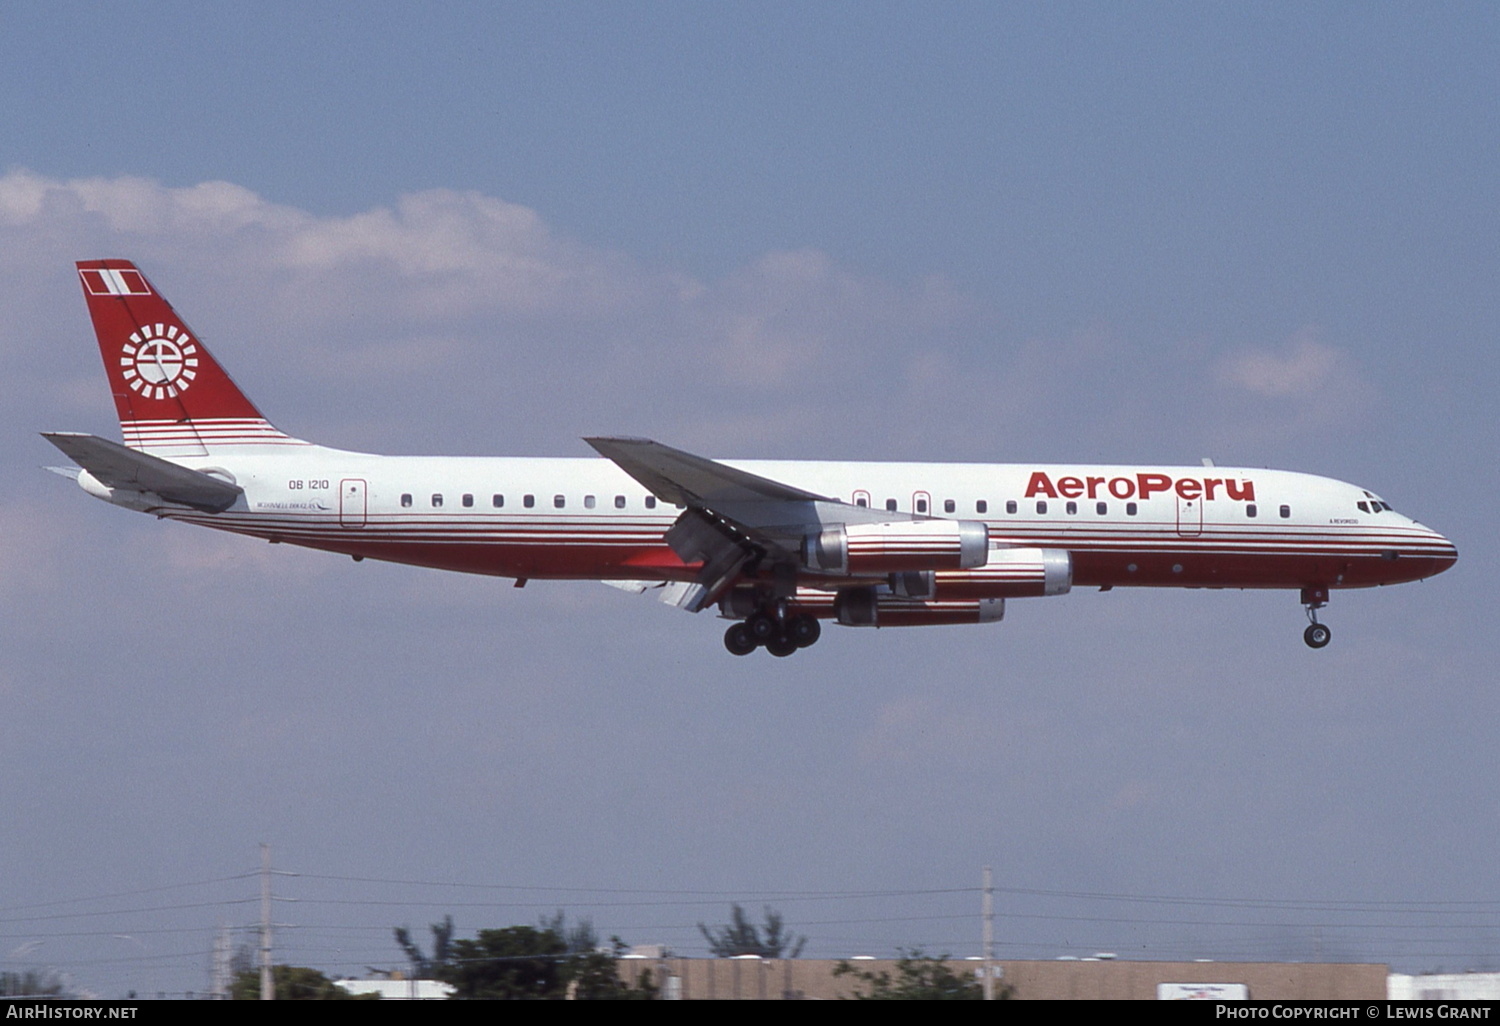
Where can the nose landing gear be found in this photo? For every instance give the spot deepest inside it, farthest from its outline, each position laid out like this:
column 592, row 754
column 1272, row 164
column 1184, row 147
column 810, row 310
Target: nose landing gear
column 1317, row 634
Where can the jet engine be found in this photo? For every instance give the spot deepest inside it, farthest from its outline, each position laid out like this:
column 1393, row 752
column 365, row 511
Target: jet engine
column 873, row 607
column 1011, row 573
column 858, row 549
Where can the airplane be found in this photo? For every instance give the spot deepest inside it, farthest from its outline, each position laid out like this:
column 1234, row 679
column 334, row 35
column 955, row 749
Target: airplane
column 777, row 547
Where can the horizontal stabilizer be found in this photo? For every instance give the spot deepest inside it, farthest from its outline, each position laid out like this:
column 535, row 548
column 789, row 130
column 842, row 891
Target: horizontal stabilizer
column 115, row 466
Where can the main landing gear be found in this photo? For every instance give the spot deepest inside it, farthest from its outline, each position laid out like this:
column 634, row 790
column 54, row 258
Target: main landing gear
column 781, row 635
column 1317, row 634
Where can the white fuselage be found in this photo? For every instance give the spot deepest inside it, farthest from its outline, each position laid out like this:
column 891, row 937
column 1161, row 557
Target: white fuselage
column 585, row 518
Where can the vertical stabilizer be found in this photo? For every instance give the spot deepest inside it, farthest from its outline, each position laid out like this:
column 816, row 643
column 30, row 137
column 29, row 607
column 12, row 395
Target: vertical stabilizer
column 172, row 396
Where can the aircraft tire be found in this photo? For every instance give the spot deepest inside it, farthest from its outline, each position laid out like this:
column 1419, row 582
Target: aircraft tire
column 1317, row 635
column 739, row 641
column 804, row 630
column 762, row 628
column 781, row 646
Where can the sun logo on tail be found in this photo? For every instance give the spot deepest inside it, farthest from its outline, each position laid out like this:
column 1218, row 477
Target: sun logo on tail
column 160, row 361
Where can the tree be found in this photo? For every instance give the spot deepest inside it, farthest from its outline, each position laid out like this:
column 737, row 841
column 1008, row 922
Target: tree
column 742, row 937
column 422, row 967
column 918, row 977
column 517, row 963
column 547, row 962
column 595, row 976
column 580, row 938
column 591, row 972
column 292, row 983
column 33, row 983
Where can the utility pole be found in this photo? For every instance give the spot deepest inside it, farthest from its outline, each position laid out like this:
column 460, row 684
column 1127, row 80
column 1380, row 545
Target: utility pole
column 989, row 935
column 221, row 964
column 267, row 982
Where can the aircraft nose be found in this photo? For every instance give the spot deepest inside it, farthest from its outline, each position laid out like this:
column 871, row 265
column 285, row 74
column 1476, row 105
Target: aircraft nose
column 1430, row 554
column 1445, row 553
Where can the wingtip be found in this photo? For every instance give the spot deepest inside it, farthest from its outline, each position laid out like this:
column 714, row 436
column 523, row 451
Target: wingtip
column 602, row 444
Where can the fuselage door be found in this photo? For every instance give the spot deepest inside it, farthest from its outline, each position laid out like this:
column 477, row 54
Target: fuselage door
column 921, row 504
column 1189, row 517
column 353, row 504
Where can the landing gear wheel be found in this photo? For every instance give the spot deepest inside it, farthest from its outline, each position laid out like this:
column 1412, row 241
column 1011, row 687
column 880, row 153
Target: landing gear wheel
column 761, row 627
column 781, row 646
column 804, row 630
column 738, row 640
column 1317, row 635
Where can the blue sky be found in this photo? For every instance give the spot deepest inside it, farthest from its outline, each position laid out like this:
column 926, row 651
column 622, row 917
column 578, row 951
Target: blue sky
column 1078, row 232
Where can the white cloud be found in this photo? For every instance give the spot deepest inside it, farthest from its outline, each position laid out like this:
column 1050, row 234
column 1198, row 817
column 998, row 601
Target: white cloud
column 466, row 305
column 1276, row 393
column 137, row 206
column 457, row 321
column 1303, row 366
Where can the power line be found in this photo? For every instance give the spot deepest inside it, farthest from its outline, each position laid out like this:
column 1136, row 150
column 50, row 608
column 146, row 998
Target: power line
column 125, row 894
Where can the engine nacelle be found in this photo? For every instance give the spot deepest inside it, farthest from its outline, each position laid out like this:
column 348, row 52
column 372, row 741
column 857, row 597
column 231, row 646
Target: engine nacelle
column 914, row 584
column 873, row 607
column 856, row 607
column 1011, row 573
column 896, row 547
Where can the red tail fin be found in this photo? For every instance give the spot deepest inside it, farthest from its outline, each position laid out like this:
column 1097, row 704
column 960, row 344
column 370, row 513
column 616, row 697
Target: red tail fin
column 173, row 398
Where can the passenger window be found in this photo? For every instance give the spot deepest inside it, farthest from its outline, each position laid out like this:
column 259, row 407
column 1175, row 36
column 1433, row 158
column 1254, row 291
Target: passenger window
column 1286, row 511
column 497, row 500
column 559, row 501
column 437, row 499
column 981, row 506
column 588, row 502
column 890, row 505
column 1041, row 507
column 861, row 501
column 468, row 500
column 650, row 502
column 1250, row 510
column 921, row 505
column 1102, row 508
column 528, row 501
column 1072, row 508
column 619, row 502
column 406, row 499
column 1010, row 506
column 949, row 505
column 1130, row 509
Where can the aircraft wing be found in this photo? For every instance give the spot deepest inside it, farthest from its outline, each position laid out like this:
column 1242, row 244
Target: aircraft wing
column 734, row 520
column 686, row 480
column 115, row 466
